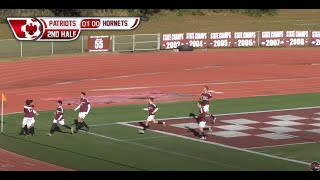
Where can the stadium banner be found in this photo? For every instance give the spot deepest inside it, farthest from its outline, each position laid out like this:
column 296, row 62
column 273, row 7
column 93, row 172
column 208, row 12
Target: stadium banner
column 220, row 39
column 315, row 38
column 244, row 39
column 197, row 40
column 272, row 38
column 172, row 40
column 98, row 43
column 297, row 38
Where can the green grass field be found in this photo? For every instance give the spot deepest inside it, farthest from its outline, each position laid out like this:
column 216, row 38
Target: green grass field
column 116, row 147
column 286, row 19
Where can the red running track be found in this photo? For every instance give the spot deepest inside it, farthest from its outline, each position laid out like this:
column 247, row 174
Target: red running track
column 13, row 162
column 239, row 73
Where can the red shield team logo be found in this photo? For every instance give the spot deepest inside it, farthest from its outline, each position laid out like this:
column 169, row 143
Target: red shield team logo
column 25, row 28
column 314, row 166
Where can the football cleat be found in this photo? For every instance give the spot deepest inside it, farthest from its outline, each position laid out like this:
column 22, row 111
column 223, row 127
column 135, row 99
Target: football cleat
column 141, row 131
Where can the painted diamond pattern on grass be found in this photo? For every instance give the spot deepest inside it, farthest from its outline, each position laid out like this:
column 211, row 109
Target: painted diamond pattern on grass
column 288, row 117
column 275, row 136
column 260, row 125
column 240, row 121
column 280, row 129
column 256, row 129
column 303, row 127
column 229, row 134
column 234, row 127
column 284, row 123
column 315, row 124
column 314, row 130
column 187, row 125
column 308, row 121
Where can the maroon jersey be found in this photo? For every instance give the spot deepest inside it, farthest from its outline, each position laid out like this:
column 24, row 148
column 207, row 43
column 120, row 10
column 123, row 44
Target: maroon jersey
column 59, row 113
column 152, row 107
column 28, row 112
column 202, row 114
column 205, row 98
column 84, row 103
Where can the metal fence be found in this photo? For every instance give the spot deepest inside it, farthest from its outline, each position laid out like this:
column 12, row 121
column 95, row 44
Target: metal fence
column 151, row 42
column 10, row 48
column 136, row 42
column 13, row 48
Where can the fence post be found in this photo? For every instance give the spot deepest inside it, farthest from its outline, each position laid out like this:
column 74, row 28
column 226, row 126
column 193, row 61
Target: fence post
column 159, row 39
column 82, row 44
column 113, row 42
column 52, row 47
column 133, row 42
column 258, row 39
column 21, row 54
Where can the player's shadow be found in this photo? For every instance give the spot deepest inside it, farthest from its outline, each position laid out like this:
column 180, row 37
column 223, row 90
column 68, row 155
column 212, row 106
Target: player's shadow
column 142, row 125
column 149, row 128
column 58, row 129
column 195, row 133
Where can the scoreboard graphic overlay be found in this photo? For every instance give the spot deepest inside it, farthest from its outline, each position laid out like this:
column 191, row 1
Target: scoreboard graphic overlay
column 66, row 28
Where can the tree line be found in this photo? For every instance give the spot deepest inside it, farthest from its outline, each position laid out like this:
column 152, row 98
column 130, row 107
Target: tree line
column 124, row 12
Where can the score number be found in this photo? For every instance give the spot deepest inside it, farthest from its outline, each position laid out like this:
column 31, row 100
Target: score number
column 90, row 23
column 317, row 42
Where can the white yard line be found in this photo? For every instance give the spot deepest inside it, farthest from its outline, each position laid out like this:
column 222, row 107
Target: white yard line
column 277, row 154
column 292, row 157
column 260, row 147
column 165, row 151
column 152, row 137
column 107, row 124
